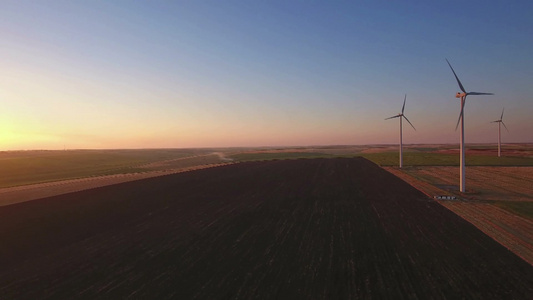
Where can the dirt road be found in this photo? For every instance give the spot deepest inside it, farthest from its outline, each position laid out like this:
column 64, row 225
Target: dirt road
column 30, row 192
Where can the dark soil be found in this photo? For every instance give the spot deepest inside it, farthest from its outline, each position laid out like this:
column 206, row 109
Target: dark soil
column 294, row 229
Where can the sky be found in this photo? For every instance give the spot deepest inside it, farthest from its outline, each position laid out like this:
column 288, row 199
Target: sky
column 181, row 74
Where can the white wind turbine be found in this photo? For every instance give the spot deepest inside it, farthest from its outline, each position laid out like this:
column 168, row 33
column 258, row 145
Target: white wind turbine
column 401, row 115
column 500, row 122
column 462, row 132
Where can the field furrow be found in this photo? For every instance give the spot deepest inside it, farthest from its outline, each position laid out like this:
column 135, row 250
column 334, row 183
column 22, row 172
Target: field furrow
column 295, row 229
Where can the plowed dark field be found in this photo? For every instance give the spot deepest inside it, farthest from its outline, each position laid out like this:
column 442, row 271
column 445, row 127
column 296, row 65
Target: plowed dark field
column 296, row 229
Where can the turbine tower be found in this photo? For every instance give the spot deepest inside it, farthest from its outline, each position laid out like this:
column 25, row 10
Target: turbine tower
column 500, row 122
column 462, row 132
column 401, row 115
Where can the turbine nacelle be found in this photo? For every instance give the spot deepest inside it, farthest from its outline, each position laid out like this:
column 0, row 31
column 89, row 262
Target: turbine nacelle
column 400, row 115
column 501, row 121
column 461, row 120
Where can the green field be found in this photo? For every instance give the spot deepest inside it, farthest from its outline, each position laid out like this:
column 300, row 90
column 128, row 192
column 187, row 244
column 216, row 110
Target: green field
column 440, row 159
column 522, row 208
column 415, row 157
column 28, row 167
column 252, row 156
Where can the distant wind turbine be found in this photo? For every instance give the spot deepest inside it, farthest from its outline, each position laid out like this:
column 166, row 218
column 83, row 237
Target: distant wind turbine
column 500, row 122
column 462, row 132
column 401, row 115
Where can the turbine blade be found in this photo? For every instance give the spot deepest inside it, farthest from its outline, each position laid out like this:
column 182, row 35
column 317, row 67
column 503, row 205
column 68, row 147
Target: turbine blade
column 501, row 118
column 457, row 78
column 505, row 126
column 392, row 117
column 461, row 114
column 405, row 98
column 476, row 93
column 409, row 122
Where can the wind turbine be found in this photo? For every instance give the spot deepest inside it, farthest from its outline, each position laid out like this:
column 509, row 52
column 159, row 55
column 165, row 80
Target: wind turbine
column 462, row 132
column 401, row 115
column 500, row 121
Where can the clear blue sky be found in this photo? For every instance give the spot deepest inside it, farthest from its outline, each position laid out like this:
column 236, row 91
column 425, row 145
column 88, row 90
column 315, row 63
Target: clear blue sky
column 148, row 74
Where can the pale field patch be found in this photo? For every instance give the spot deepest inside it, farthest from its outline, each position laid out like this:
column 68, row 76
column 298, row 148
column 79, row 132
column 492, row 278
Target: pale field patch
column 486, row 187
